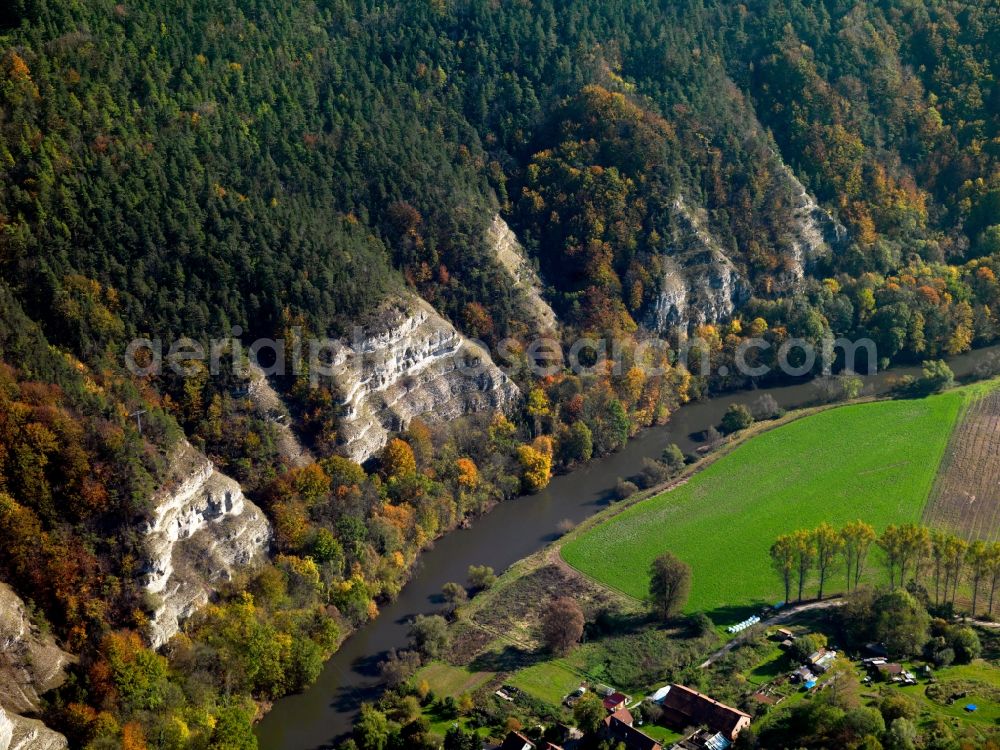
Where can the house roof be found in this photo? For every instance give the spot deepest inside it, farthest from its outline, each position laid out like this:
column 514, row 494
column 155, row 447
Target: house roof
column 890, row 668
column 613, row 700
column 684, row 706
column 623, row 732
column 623, row 715
column 516, row 741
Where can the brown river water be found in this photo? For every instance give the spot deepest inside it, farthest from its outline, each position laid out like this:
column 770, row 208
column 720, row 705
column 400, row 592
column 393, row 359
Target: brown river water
column 324, row 713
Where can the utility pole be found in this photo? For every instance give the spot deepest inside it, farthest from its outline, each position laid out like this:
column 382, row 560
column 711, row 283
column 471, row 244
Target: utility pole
column 138, row 419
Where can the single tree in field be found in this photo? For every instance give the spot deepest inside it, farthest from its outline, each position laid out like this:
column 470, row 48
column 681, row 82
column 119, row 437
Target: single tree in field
column 783, row 561
column 562, row 624
column 805, row 557
column 977, row 558
column 828, row 544
column 669, row 585
column 858, row 537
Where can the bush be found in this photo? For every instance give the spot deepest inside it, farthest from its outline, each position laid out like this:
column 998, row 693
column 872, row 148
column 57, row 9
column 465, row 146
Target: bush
column 481, row 577
column 766, row 407
column 653, row 473
column 673, row 458
column 966, row 645
column 737, row 417
column 625, row 489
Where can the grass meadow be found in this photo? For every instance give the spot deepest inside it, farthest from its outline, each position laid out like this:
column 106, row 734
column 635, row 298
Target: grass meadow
column 874, row 461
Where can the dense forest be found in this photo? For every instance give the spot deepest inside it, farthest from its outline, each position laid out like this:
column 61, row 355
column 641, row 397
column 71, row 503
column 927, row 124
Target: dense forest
column 178, row 170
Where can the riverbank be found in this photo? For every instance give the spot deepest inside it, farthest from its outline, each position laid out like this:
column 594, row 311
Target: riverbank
column 510, row 532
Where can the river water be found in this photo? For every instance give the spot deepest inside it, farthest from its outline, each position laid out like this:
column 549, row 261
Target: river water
column 325, row 712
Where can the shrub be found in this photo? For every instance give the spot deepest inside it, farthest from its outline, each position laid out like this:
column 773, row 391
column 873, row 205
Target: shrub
column 625, row 489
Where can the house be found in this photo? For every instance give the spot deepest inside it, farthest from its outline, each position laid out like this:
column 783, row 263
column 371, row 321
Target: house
column 615, row 701
column 820, row 661
column 517, row 741
column 802, row 674
column 684, row 707
column 618, row 728
column 885, row 670
column 703, row 740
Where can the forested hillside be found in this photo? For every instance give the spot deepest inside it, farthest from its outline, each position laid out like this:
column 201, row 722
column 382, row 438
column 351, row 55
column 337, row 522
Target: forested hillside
column 727, row 170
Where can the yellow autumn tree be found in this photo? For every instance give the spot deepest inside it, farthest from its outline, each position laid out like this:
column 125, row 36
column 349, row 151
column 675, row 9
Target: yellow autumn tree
column 398, row 459
column 535, row 468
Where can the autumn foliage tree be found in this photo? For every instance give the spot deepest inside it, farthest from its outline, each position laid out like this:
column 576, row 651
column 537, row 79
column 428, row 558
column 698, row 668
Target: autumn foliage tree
column 562, row 624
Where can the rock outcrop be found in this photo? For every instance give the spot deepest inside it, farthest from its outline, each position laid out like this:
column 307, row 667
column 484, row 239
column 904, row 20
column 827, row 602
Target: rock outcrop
column 270, row 406
column 203, row 532
column 699, row 283
column 812, row 231
column 406, row 361
column 511, row 256
column 30, row 662
column 19, row 733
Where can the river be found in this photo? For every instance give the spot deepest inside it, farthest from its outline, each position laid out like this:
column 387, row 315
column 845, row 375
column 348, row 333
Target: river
column 325, row 712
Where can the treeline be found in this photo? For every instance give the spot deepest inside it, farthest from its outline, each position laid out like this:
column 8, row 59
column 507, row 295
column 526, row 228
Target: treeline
column 177, row 171
column 910, row 555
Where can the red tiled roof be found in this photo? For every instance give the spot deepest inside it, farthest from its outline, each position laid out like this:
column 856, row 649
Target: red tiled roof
column 613, row 700
column 623, row 715
column 684, row 706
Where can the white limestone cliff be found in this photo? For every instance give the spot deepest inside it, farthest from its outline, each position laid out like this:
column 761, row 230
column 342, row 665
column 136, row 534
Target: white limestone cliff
column 699, row 283
column 31, row 663
column 203, row 532
column 811, row 232
column 511, row 256
column 19, row 733
column 406, row 361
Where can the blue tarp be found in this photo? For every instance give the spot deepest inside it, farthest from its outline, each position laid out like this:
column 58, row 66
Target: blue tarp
column 811, row 684
column 971, row 707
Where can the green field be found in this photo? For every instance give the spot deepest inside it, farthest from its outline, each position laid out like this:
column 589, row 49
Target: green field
column 874, row 461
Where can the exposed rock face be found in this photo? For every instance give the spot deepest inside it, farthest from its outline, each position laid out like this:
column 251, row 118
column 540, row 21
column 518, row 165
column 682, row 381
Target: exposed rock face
column 699, row 284
column 512, row 257
column 270, row 406
column 812, row 230
column 203, row 531
column 19, row 733
column 30, row 663
column 407, row 361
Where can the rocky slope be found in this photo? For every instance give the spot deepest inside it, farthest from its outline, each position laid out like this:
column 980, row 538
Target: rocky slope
column 510, row 254
column 811, row 232
column 19, row 733
column 699, row 283
column 203, row 531
column 30, row 664
column 270, row 406
column 406, row 361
